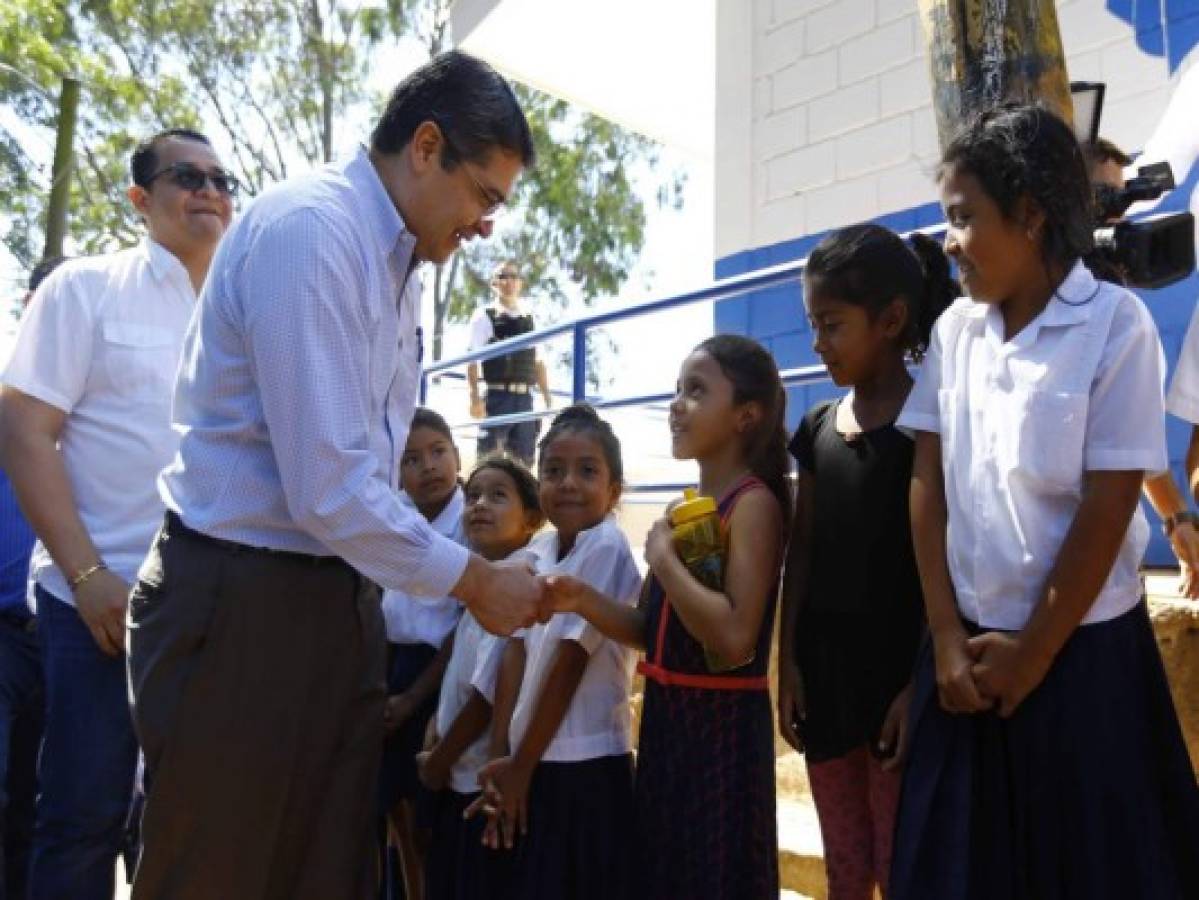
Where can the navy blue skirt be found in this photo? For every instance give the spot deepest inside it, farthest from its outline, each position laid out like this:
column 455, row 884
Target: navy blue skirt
column 458, row 866
column 397, row 773
column 580, row 841
column 1085, row 792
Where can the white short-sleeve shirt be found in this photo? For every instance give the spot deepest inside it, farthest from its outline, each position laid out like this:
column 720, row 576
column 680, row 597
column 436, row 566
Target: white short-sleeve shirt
column 101, row 341
column 1021, row 421
column 413, row 619
column 473, row 666
column 597, row 722
column 482, row 331
column 1183, row 399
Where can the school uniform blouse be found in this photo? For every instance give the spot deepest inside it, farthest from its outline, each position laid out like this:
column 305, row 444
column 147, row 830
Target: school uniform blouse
column 1021, row 421
column 597, row 722
column 411, row 619
column 475, row 659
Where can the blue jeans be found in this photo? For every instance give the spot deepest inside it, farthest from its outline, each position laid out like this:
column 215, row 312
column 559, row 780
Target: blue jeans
column 21, row 700
column 88, row 761
column 520, row 439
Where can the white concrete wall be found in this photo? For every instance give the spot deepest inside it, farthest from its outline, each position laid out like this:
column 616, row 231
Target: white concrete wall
column 823, row 113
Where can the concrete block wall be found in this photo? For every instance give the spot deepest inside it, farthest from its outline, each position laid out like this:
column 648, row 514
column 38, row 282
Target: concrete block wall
column 823, row 118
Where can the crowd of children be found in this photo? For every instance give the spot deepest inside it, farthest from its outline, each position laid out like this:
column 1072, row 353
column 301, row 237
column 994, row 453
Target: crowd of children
column 965, row 653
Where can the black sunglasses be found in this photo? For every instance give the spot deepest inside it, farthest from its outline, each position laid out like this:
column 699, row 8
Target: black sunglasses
column 192, row 178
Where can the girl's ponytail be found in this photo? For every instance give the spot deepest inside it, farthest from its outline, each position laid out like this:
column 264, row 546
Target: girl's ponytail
column 940, row 290
column 870, row 266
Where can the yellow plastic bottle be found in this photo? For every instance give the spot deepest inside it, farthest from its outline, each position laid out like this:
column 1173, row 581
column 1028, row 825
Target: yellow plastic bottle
column 699, row 538
column 700, row 542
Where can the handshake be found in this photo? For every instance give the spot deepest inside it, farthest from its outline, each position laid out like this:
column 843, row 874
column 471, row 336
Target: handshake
column 506, row 596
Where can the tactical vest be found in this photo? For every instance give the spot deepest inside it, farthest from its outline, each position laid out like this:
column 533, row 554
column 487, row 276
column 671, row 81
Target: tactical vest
column 515, row 368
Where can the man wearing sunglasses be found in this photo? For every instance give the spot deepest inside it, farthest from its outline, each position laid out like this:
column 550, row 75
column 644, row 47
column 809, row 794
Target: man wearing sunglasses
column 256, row 638
column 85, row 427
column 510, row 379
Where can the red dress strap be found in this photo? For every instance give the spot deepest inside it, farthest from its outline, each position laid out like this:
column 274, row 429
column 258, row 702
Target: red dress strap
column 652, row 667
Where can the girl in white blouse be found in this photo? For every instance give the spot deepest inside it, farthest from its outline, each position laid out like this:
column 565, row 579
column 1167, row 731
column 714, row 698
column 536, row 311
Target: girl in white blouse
column 565, row 787
column 502, row 513
column 1046, row 756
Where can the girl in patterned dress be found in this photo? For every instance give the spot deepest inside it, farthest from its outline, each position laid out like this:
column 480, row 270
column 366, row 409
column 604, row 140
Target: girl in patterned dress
column 705, row 779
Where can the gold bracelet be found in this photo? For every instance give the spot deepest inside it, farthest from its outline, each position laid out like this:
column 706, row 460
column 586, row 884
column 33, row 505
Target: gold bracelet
column 86, row 574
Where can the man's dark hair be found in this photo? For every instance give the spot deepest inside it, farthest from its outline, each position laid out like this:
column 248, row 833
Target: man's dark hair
column 144, row 161
column 468, row 100
column 43, row 269
column 1104, row 150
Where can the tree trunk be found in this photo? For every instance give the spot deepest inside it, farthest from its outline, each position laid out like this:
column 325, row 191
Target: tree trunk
column 443, row 293
column 984, row 52
column 321, row 46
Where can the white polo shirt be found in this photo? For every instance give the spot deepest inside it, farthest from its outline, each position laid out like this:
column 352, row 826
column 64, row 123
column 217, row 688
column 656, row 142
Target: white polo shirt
column 1078, row 389
column 598, row 721
column 101, row 341
column 413, row 619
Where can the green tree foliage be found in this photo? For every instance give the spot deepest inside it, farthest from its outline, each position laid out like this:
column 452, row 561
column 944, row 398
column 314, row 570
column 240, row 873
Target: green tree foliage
column 280, row 77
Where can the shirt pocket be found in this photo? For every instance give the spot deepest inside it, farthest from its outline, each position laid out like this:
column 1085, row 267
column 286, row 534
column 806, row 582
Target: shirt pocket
column 140, row 360
column 1052, row 434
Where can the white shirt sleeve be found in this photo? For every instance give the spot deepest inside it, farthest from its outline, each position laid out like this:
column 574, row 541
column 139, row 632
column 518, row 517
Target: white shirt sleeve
column 52, row 355
column 1183, row 399
column 607, row 565
column 1176, row 139
column 481, row 331
column 922, row 411
column 487, row 666
column 1126, row 420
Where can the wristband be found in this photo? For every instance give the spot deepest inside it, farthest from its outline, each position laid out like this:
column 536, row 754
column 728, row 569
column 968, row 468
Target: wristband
column 1172, row 522
column 86, row 574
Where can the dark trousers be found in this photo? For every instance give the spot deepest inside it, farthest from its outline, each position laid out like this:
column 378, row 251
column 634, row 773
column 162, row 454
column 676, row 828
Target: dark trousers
column 21, row 701
column 258, row 687
column 520, row 439
column 87, row 764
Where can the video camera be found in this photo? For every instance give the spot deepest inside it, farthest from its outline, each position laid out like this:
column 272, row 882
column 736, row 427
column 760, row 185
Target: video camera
column 1152, row 251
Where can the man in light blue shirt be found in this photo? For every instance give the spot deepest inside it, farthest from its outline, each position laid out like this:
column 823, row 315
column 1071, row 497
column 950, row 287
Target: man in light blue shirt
column 256, row 640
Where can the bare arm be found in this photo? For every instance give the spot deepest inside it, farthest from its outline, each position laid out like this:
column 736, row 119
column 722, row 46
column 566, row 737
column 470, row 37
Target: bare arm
column 506, row 780
column 618, row 621
column 472, row 382
column 468, row 726
column 1192, row 463
column 429, row 680
column 543, row 384
column 29, row 433
column 726, row 622
column 792, row 705
column 507, row 690
column 955, row 682
column 1010, row 666
column 1168, row 501
column 795, row 573
column 561, row 682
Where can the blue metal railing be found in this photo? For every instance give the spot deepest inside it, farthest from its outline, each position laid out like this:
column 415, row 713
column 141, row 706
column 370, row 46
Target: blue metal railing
column 578, row 329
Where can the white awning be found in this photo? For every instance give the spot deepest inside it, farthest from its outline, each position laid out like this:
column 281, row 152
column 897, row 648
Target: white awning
column 649, row 65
